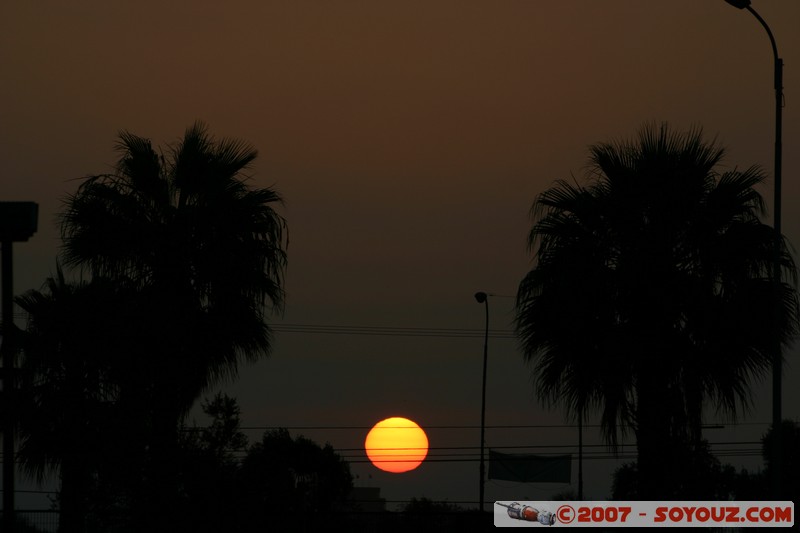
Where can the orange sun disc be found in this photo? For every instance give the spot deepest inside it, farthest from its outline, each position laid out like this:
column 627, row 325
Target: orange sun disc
column 396, row 445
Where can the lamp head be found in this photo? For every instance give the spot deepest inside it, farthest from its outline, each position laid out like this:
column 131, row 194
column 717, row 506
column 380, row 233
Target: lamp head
column 18, row 220
column 480, row 296
column 741, row 4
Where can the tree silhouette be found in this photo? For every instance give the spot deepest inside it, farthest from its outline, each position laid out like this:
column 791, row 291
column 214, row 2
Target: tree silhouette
column 66, row 406
column 790, row 434
column 209, row 469
column 205, row 255
column 292, row 484
column 651, row 294
column 188, row 232
column 699, row 476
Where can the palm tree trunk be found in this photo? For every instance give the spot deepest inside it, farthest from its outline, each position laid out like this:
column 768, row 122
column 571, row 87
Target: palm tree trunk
column 162, row 476
column 73, row 509
column 658, row 451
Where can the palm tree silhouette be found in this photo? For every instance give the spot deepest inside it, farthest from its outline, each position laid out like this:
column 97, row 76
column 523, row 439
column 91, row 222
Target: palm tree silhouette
column 205, row 254
column 651, row 294
column 66, row 406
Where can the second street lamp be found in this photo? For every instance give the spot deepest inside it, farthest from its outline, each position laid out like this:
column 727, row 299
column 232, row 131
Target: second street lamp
column 483, row 298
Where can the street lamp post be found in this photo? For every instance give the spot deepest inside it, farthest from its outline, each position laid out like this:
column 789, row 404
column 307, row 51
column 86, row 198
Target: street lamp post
column 777, row 457
column 483, row 298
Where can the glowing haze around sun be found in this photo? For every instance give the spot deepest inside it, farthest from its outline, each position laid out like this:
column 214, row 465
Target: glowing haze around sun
column 396, row 445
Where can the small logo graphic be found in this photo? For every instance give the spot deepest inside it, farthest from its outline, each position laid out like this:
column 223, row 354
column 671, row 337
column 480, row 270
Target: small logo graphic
column 529, row 514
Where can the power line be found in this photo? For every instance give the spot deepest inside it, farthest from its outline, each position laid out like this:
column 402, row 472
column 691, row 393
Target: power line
column 744, row 447
column 390, row 331
column 533, row 426
column 499, row 426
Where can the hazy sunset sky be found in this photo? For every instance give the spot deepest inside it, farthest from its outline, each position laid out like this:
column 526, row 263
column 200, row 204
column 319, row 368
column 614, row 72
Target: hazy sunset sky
column 409, row 140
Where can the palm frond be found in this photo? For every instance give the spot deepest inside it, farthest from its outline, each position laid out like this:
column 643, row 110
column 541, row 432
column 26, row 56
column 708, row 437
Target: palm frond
column 656, row 245
column 206, row 252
